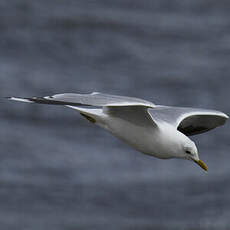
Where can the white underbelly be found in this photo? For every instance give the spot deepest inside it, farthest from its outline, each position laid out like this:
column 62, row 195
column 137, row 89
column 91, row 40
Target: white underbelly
column 139, row 137
column 143, row 138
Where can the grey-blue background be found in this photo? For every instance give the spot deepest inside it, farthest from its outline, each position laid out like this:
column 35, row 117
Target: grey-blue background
column 57, row 171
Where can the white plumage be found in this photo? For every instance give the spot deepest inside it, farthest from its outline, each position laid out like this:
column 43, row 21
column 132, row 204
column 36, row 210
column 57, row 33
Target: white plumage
column 160, row 131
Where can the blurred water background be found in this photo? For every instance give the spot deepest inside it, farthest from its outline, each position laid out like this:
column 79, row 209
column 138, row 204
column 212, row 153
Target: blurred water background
column 58, row 171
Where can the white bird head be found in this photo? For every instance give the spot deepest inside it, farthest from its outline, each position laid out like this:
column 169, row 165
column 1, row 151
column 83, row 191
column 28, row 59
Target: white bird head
column 179, row 145
column 188, row 150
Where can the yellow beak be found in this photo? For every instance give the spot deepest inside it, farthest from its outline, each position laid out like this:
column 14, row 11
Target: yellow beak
column 201, row 164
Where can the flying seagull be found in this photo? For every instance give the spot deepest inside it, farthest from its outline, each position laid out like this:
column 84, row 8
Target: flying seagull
column 156, row 130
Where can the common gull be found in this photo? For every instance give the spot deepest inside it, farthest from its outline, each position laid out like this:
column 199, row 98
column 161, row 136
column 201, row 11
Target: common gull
column 156, row 130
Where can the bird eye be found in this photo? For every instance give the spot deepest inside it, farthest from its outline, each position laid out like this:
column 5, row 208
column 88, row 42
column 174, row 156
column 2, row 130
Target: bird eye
column 187, row 151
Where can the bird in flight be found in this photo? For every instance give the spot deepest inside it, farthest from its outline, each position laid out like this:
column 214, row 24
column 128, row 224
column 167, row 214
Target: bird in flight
column 156, row 130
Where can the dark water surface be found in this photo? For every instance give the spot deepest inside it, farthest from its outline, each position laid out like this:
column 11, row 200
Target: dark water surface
column 57, row 171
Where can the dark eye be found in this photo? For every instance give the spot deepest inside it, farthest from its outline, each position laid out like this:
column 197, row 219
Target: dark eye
column 187, row 151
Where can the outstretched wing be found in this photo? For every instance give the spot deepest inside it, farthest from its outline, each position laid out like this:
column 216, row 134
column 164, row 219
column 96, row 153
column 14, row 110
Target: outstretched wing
column 93, row 99
column 189, row 121
column 126, row 108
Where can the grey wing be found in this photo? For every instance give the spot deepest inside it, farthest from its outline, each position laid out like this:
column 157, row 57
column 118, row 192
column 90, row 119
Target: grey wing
column 93, row 99
column 189, row 121
column 137, row 114
column 126, row 108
